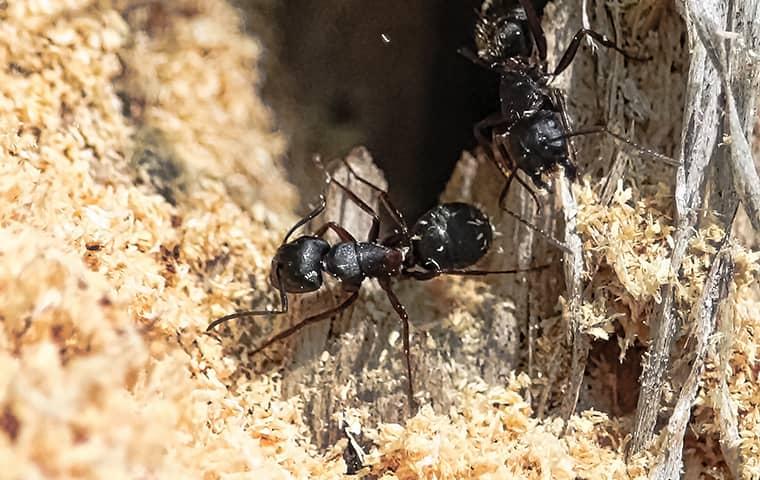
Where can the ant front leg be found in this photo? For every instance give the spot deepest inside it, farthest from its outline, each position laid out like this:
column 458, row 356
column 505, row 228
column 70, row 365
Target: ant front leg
column 510, row 175
column 568, row 163
column 572, row 49
column 491, row 121
column 505, row 190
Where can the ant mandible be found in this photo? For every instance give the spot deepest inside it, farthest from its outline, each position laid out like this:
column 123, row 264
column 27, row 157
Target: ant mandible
column 444, row 241
column 530, row 132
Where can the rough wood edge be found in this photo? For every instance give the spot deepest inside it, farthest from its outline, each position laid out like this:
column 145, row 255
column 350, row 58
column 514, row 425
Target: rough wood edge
column 702, row 128
column 669, row 462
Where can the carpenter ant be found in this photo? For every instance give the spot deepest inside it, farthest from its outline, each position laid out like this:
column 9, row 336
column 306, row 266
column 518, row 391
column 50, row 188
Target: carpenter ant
column 444, row 241
column 530, row 132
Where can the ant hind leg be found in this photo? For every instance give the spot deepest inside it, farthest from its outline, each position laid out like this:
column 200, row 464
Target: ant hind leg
column 401, row 311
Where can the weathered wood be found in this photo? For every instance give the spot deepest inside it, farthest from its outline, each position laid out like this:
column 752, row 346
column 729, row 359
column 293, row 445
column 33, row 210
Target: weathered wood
column 669, row 461
column 354, row 364
column 703, row 128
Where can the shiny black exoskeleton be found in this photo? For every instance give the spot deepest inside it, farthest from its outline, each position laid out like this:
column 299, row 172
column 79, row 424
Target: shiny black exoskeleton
column 445, row 240
column 503, row 30
column 531, row 130
column 452, row 235
column 503, row 33
column 299, row 264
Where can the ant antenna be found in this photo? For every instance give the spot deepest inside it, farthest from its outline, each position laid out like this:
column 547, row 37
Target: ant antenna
column 638, row 148
column 309, row 217
column 251, row 313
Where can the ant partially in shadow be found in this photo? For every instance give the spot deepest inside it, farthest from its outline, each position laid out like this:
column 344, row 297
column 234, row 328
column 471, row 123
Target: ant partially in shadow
column 530, row 133
column 444, row 241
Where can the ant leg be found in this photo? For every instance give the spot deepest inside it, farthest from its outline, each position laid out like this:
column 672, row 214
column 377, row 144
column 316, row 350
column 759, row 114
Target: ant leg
column 535, row 28
column 385, row 284
column 493, row 120
column 374, row 231
column 313, row 319
column 558, row 99
column 252, row 313
column 509, row 175
column 505, row 190
column 572, row 49
column 395, row 239
column 309, row 217
column 340, row 231
column 471, row 56
column 500, row 155
column 502, row 65
column 530, row 190
column 395, row 213
column 557, row 243
column 538, row 182
column 420, row 275
column 638, row 148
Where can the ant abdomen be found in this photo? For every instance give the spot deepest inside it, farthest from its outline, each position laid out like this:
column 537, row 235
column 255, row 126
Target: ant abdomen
column 451, row 236
column 504, row 35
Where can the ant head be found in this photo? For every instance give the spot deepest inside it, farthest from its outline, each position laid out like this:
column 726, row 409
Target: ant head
column 501, row 37
column 297, row 265
column 538, row 144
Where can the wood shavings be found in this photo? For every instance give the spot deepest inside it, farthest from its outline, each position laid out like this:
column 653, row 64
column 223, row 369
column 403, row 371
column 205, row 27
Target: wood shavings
column 493, row 435
column 701, row 130
column 103, row 370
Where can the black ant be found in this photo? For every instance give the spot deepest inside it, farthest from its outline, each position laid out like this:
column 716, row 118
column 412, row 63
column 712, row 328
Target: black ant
column 531, row 131
column 444, row 241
